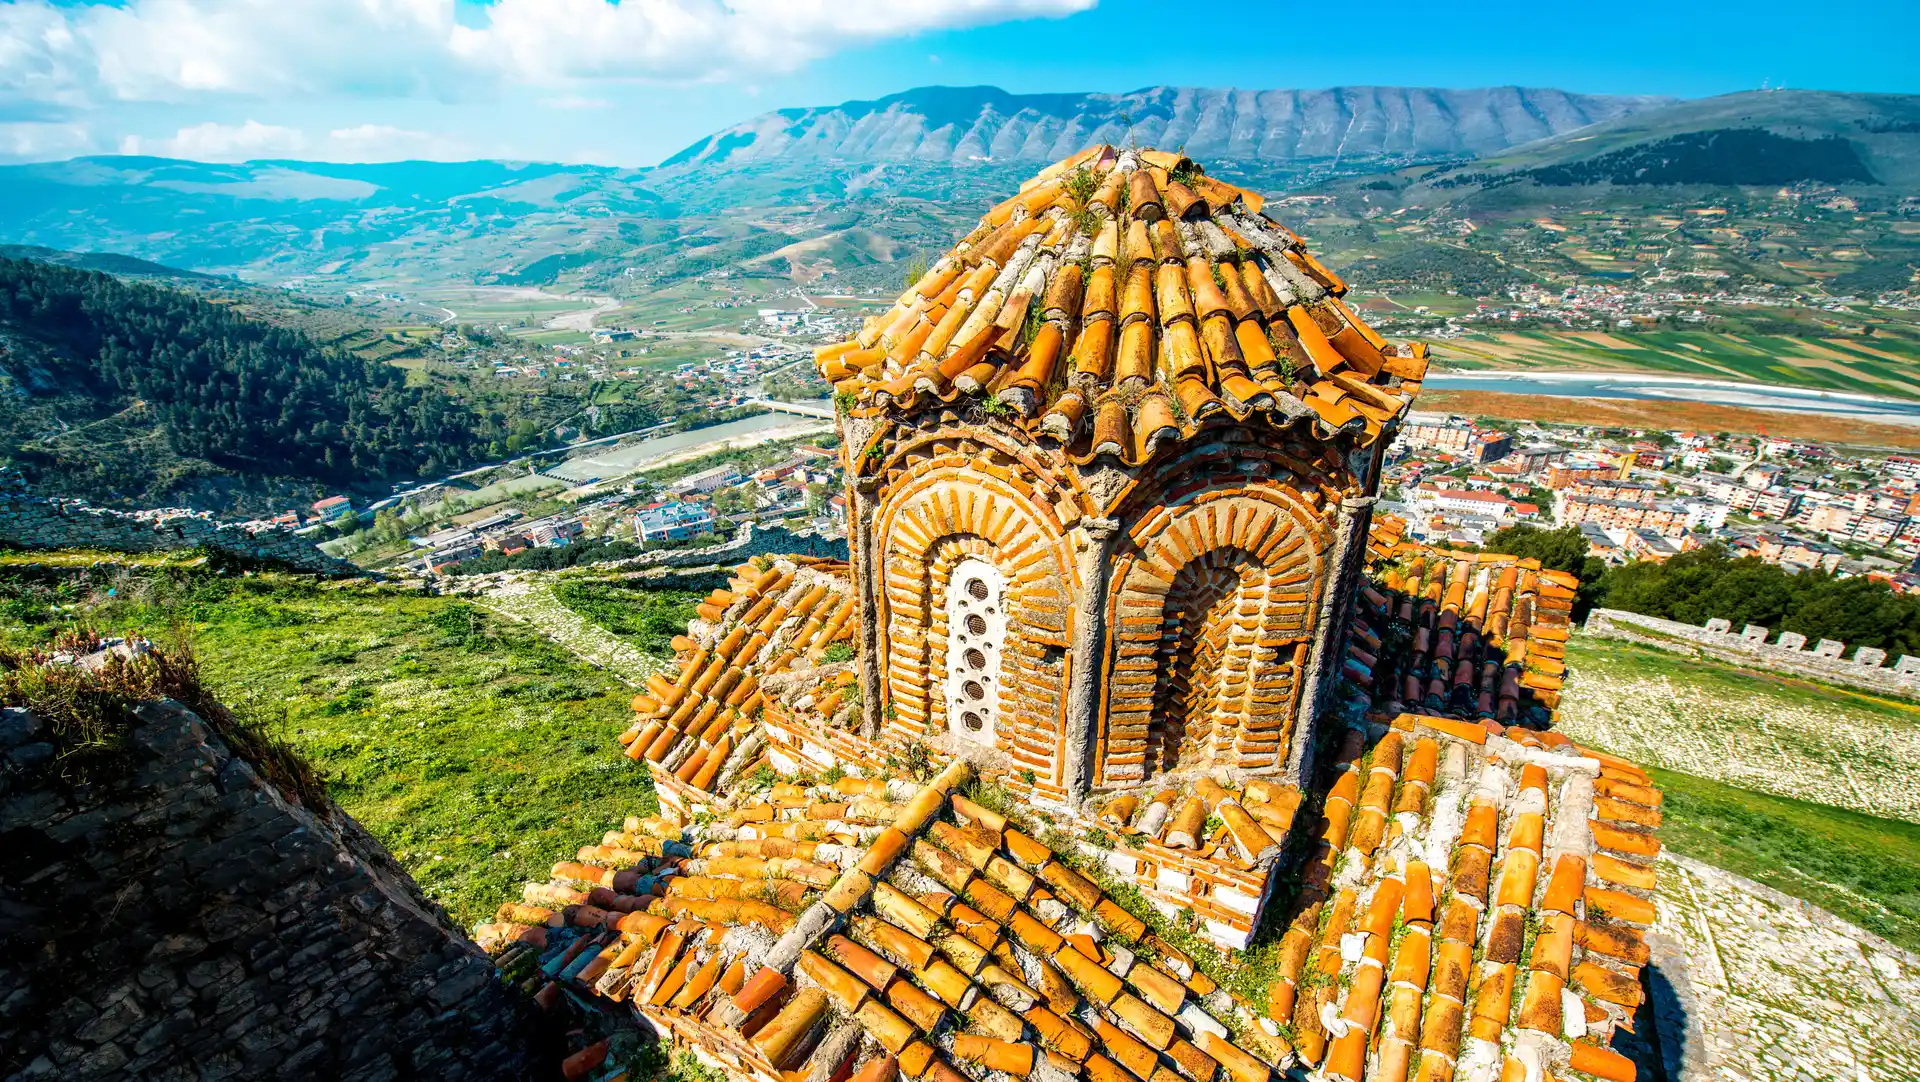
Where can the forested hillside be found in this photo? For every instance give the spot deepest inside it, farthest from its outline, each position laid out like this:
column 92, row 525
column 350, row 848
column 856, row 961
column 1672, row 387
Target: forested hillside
column 85, row 347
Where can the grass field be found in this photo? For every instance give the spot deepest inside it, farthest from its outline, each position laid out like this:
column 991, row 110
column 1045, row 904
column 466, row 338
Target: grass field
column 476, row 751
column 647, row 619
column 1725, row 745
column 1769, row 734
column 1878, row 365
column 1860, row 867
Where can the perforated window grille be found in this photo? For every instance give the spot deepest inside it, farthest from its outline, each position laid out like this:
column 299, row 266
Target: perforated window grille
column 976, row 631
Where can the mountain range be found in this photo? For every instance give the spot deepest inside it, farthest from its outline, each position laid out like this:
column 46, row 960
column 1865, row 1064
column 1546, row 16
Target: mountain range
column 982, row 124
column 901, row 174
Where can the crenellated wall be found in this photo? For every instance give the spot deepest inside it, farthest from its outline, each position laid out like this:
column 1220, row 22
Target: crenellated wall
column 1788, row 653
column 36, row 522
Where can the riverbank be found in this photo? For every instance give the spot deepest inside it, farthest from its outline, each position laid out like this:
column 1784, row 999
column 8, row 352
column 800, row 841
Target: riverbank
column 1642, row 387
column 1668, row 415
column 681, row 446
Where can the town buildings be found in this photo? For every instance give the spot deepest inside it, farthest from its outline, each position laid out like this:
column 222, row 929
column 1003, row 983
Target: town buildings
column 675, row 521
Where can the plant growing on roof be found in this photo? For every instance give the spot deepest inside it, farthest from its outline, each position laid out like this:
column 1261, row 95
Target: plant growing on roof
column 844, row 401
column 915, row 269
column 1030, row 326
column 1080, row 184
column 996, row 407
column 1085, row 220
column 1184, row 172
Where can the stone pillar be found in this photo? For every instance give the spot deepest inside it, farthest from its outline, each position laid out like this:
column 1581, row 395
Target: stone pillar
column 865, row 494
column 1085, row 657
column 1345, row 566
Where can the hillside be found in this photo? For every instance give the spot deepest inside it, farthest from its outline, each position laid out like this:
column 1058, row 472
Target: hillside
column 965, row 125
column 1764, row 215
column 118, row 389
column 1748, row 139
column 105, row 262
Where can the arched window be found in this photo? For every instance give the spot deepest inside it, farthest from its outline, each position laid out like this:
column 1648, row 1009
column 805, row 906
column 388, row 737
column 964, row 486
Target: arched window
column 976, row 631
column 1202, row 669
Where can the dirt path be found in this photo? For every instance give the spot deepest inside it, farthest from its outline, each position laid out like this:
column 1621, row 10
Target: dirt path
column 532, row 602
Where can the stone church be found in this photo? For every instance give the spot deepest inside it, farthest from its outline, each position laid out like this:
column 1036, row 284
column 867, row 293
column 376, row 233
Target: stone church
column 1113, row 460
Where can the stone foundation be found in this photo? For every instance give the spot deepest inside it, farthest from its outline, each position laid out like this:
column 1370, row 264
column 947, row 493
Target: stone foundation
column 176, row 917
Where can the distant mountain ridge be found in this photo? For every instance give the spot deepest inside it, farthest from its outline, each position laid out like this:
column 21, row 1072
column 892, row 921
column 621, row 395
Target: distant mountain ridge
column 961, row 125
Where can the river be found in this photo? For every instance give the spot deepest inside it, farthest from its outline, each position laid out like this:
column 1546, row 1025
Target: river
column 744, row 432
column 1626, row 385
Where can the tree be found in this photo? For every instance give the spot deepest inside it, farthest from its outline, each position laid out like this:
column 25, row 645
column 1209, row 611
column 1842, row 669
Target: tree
column 1565, row 549
column 1694, row 587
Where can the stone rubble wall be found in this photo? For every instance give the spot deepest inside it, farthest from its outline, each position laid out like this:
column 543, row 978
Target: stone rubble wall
column 36, row 522
column 1789, row 654
column 176, row 917
column 752, row 539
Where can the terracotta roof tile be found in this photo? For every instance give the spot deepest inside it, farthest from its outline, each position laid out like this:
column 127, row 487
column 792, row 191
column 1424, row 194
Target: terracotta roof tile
column 1181, row 251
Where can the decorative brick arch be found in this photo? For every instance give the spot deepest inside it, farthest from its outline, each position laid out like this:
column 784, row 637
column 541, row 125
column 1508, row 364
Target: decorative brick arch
column 1236, row 556
column 944, row 502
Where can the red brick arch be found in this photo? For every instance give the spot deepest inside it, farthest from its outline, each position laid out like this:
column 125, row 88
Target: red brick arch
column 942, row 502
column 1211, row 611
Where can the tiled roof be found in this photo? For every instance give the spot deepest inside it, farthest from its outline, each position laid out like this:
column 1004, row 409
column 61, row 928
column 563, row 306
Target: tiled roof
column 1476, row 908
column 1121, row 300
column 1463, row 633
column 697, row 723
column 1252, row 820
column 876, row 929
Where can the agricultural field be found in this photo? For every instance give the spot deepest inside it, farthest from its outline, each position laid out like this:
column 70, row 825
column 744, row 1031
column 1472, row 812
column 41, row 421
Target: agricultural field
column 1883, row 364
column 1670, row 415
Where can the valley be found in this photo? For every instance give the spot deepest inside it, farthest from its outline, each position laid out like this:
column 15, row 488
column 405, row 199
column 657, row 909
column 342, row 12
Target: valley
column 625, row 541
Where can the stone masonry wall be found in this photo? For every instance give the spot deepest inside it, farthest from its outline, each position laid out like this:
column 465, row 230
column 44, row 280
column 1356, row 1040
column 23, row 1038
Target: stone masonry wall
column 36, row 522
column 179, row 919
column 1789, row 654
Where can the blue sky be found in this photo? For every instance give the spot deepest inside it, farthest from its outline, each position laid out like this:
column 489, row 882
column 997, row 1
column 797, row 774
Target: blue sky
column 628, row 84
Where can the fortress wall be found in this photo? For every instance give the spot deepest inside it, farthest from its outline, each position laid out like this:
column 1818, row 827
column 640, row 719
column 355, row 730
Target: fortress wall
column 35, row 522
column 1789, row 654
column 175, row 917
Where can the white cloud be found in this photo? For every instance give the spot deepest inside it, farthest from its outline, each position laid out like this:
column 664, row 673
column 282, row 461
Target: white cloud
column 37, row 140
column 212, row 142
column 575, row 101
column 381, row 142
column 176, row 50
column 253, row 140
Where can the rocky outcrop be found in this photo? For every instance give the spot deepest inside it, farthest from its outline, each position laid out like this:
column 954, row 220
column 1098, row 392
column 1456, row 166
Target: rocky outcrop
column 176, row 917
column 963, row 125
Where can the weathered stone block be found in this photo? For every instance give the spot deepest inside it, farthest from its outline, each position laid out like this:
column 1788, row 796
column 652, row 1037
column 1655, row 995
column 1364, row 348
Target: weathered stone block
column 1868, row 657
column 1830, row 648
column 1792, row 640
column 1754, row 633
column 1718, row 626
column 212, row 880
column 1908, row 664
